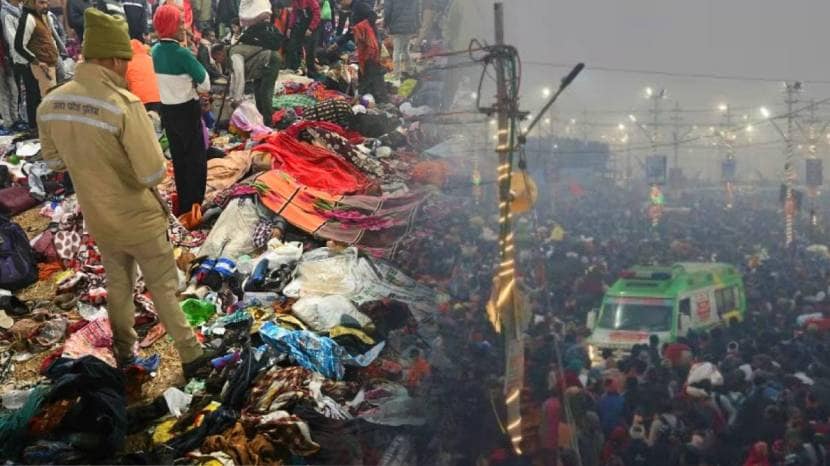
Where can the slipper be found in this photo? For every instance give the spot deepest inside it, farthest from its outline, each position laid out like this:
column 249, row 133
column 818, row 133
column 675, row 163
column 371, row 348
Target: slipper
column 153, row 335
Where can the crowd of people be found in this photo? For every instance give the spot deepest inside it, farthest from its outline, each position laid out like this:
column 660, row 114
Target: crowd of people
column 270, row 139
column 42, row 39
column 102, row 80
column 753, row 392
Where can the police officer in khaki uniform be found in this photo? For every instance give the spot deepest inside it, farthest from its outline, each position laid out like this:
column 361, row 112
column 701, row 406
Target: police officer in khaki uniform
column 98, row 131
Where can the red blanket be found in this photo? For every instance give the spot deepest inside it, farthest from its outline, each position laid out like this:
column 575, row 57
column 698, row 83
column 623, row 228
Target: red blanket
column 313, row 166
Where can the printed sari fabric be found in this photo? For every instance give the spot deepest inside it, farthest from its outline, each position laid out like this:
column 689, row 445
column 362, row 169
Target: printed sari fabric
column 374, row 223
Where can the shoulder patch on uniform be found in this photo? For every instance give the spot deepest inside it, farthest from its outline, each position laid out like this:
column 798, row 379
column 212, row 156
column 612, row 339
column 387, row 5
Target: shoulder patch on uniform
column 131, row 98
column 54, row 88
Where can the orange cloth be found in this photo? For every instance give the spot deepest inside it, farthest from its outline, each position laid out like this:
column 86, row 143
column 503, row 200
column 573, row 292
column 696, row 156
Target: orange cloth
column 419, row 370
column 294, row 201
column 46, row 270
column 431, row 172
column 141, row 77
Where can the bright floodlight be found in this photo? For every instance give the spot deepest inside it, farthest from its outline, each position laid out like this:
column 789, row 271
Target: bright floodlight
column 765, row 112
column 547, row 121
column 573, row 121
column 546, row 92
column 493, row 121
column 649, row 92
column 723, row 107
column 750, row 128
column 474, row 95
column 621, row 127
column 632, row 118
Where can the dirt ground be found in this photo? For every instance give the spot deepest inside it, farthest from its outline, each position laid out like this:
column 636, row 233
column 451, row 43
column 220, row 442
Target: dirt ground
column 26, row 373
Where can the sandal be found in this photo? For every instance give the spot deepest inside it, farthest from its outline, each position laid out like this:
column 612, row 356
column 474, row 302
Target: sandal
column 155, row 333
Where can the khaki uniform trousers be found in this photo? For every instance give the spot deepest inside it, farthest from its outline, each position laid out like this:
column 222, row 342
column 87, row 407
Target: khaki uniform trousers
column 45, row 81
column 157, row 263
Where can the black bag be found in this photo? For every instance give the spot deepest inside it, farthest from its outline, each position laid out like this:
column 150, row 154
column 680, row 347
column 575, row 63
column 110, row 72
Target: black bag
column 18, row 266
column 263, row 35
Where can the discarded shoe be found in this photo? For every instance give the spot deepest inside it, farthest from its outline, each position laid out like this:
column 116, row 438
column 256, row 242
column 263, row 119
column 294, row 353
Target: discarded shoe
column 199, row 367
column 13, row 306
column 155, row 333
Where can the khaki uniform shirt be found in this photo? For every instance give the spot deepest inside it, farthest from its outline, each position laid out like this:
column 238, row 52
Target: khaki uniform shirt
column 100, row 132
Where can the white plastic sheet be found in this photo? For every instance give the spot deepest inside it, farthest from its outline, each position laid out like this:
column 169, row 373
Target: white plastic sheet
column 177, row 401
column 322, row 313
column 231, row 237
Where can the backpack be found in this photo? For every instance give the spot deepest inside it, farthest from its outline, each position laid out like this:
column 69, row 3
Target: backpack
column 264, row 35
column 18, row 267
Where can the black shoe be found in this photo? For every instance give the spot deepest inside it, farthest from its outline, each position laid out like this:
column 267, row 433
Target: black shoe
column 13, row 306
column 199, row 367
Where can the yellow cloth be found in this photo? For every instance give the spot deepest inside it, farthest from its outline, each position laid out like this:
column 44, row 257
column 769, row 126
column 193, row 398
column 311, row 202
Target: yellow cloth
column 162, row 432
column 100, row 132
column 557, row 234
column 290, row 322
column 407, row 88
column 340, row 330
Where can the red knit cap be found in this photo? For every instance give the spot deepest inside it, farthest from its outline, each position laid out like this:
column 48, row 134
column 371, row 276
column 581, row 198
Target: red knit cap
column 166, row 21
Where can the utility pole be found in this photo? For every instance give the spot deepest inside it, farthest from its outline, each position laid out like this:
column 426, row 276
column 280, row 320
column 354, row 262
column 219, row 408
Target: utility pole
column 678, row 136
column 505, row 109
column 502, row 307
column 790, row 175
column 656, row 113
column 812, row 134
column 727, row 137
column 676, row 120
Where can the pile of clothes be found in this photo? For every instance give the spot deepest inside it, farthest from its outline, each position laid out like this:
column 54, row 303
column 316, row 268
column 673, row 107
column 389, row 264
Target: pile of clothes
column 294, row 268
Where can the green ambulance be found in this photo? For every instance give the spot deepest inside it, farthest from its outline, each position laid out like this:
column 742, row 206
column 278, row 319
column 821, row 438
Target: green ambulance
column 667, row 302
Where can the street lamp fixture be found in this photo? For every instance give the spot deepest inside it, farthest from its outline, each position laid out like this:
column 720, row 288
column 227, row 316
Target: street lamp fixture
column 765, row 112
column 649, row 92
column 621, row 127
column 723, row 108
column 632, row 118
column 546, row 92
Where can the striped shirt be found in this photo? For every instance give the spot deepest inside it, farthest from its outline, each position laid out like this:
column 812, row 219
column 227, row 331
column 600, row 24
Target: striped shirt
column 180, row 75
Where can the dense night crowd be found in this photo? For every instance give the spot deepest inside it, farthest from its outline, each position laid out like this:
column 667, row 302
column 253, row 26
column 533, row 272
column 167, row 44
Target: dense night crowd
column 764, row 397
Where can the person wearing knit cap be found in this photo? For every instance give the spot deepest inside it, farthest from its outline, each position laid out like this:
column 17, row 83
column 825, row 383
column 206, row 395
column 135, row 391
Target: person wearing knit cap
column 180, row 80
column 99, row 132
